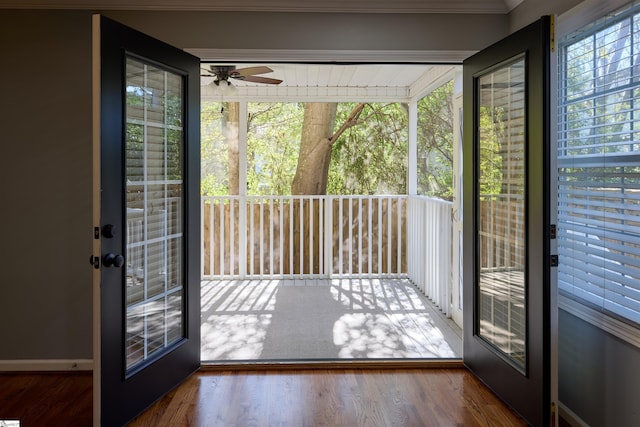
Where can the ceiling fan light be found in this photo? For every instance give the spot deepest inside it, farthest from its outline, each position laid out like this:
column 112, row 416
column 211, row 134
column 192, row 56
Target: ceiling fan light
column 224, row 86
column 220, row 87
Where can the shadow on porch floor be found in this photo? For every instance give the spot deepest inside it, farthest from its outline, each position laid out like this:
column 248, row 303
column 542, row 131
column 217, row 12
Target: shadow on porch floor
column 322, row 319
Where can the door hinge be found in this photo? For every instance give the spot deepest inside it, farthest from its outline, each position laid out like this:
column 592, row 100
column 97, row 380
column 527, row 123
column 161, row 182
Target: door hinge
column 95, row 261
column 96, row 233
column 553, row 231
column 554, row 260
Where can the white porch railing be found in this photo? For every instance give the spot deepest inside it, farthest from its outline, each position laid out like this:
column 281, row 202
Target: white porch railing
column 303, row 236
column 430, row 248
column 330, row 236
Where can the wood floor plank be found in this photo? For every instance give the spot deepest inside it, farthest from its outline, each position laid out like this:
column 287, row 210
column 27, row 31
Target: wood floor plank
column 47, row 399
column 325, row 397
column 286, row 397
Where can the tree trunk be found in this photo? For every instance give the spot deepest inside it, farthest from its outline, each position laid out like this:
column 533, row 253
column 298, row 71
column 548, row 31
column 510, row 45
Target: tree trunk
column 315, row 149
column 231, row 123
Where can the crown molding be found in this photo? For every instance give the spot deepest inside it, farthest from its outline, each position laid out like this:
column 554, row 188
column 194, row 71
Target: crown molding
column 344, row 6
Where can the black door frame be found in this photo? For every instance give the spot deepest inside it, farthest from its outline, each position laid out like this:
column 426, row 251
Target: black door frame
column 530, row 393
column 118, row 395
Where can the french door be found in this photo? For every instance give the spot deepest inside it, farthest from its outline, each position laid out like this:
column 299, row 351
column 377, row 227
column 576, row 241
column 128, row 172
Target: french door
column 508, row 235
column 146, row 216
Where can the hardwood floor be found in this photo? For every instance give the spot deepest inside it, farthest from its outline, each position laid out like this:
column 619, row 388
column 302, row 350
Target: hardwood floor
column 47, row 399
column 302, row 397
column 329, row 397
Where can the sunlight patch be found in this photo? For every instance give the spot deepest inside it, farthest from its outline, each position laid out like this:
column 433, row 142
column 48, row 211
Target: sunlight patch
column 365, row 335
column 234, row 337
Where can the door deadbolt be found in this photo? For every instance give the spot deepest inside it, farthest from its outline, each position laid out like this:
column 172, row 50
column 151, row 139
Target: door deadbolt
column 109, row 231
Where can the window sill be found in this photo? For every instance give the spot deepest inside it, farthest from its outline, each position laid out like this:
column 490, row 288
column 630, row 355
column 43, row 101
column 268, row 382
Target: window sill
column 624, row 331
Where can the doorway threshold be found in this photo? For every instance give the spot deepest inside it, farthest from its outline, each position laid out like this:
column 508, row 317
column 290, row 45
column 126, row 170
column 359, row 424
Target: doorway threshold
column 291, row 365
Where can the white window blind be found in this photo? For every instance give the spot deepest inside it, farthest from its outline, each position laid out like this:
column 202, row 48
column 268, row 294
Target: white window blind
column 599, row 165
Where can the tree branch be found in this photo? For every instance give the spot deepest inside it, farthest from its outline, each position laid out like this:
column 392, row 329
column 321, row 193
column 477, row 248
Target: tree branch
column 350, row 122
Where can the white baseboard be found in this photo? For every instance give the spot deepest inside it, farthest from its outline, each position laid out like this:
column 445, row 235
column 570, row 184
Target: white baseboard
column 37, row 365
column 569, row 416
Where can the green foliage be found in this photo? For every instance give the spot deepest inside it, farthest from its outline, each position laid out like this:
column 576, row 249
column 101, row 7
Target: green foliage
column 492, row 128
column 213, row 151
column 371, row 156
column 435, row 143
column 273, row 142
column 600, row 93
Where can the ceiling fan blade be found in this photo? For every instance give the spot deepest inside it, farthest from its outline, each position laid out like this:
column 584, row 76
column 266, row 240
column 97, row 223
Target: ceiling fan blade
column 249, row 71
column 257, row 79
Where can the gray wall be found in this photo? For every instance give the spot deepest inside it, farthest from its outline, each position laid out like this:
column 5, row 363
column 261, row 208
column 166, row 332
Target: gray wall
column 599, row 374
column 45, row 87
column 318, row 31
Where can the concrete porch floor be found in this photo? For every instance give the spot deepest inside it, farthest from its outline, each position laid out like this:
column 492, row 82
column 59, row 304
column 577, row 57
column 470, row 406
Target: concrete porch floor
column 322, row 319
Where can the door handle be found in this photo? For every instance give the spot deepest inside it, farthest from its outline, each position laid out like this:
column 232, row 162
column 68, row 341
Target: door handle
column 113, row 260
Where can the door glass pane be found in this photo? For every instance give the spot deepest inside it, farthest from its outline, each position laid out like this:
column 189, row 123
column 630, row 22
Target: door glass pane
column 501, row 210
column 154, row 214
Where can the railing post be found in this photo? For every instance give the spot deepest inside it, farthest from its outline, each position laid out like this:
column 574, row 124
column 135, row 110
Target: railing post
column 271, row 228
column 203, row 240
column 261, row 267
column 211, row 239
column 221, row 238
column 370, row 235
column 359, row 236
column 310, row 243
column 389, row 233
column 321, row 231
column 281, row 236
column 242, row 238
column 232, row 235
column 291, row 238
column 399, row 232
column 350, row 236
column 301, row 249
column 252, row 236
column 328, row 245
column 340, row 236
column 380, row 234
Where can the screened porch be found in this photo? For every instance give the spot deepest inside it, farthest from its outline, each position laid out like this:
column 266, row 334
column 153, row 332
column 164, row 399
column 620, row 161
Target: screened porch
column 329, row 276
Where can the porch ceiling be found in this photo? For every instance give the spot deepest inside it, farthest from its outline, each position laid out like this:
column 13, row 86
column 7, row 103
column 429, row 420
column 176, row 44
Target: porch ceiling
column 334, row 82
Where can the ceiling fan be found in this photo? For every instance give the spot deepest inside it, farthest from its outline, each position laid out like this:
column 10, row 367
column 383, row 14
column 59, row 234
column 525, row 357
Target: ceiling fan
column 223, row 73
